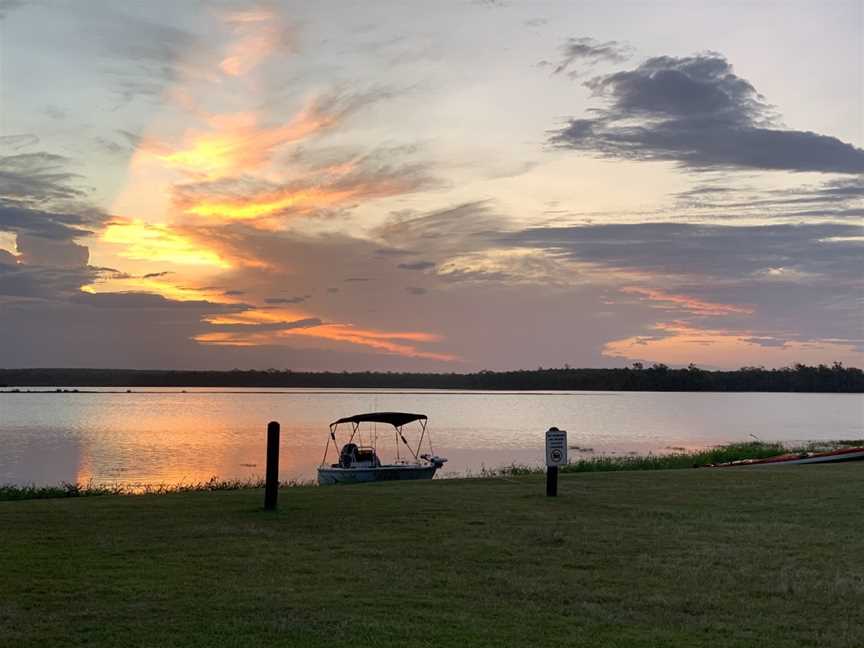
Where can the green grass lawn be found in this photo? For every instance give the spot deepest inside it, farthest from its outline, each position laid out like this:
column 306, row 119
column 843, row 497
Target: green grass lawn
column 711, row 557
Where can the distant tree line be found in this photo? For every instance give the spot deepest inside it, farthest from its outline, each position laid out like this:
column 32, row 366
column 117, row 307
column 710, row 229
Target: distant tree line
column 658, row 377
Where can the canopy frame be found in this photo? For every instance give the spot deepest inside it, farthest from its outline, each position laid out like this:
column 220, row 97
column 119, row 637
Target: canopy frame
column 397, row 419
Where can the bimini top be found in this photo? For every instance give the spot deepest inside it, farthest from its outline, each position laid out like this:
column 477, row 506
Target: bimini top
column 396, row 419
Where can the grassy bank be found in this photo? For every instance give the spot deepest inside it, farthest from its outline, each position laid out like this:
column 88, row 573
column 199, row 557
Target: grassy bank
column 601, row 463
column 725, row 557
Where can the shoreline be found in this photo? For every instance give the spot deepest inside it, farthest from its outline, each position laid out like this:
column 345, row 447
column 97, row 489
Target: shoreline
column 600, row 463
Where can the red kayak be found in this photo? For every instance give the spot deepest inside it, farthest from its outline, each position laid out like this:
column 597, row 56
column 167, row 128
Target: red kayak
column 834, row 456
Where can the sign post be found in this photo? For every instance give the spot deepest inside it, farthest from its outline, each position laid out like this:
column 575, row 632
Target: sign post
column 556, row 455
column 271, row 484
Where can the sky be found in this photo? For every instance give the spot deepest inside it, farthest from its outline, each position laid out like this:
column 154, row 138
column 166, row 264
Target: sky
column 448, row 186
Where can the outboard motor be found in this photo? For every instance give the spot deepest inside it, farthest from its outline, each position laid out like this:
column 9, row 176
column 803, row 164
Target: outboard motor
column 435, row 460
column 348, row 455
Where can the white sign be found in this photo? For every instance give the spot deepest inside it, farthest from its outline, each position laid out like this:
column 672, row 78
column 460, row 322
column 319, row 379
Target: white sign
column 556, row 447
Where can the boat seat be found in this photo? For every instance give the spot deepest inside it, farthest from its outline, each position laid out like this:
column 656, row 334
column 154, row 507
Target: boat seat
column 348, row 455
column 368, row 454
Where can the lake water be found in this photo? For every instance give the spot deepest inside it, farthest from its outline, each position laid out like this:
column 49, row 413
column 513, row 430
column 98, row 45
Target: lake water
column 170, row 436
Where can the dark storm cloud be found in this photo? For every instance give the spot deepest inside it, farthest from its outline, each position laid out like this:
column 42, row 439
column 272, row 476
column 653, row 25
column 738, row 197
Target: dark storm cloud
column 418, row 265
column 696, row 111
column 153, row 275
column 589, row 52
column 234, row 293
column 706, row 250
column 415, row 290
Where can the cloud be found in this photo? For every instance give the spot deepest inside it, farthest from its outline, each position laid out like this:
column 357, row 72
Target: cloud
column 15, row 142
column 8, row 6
column 35, row 250
column 836, row 199
column 284, row 300
column 340, row 185
column 141, row 57
column 417, row 265
column 42, row 282
column 415, row 290
column 30, row 179
column 156, row 242
column 233, row 143
column 146, row 301
column 679, row 343
column 46, row 224
column 697, row 112
column 442, row 231
column 589, row 52
column 253, row 328
column 687, row 303
column 721, row 251
column 41, row 205
column 257, row 32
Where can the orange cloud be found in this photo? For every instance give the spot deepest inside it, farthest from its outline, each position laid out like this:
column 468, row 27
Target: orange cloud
column 266, row 204
column 391, row 342
column 297, row 199
column 259, row 31
column 152, row 242
column 690, row 304
column 678, row 343
column 161, row 285
column 235, row 144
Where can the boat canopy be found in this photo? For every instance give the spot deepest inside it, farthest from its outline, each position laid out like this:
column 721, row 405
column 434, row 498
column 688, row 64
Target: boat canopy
column 396, row 419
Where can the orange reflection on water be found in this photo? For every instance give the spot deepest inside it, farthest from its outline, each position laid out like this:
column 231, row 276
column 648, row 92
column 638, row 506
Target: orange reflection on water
column 187, row 441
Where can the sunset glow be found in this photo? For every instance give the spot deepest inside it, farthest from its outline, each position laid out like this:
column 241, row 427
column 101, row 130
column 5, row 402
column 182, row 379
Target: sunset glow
column 153, row 242
column 378, row 192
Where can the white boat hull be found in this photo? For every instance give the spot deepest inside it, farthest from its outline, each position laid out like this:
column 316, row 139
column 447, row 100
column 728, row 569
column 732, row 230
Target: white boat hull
column 331, row 475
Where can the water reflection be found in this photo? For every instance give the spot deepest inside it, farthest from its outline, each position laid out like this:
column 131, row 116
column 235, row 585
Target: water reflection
column 149, row 437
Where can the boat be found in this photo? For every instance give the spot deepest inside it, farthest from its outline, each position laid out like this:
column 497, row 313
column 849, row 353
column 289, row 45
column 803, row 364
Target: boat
column 359, row 462
column 832, row 456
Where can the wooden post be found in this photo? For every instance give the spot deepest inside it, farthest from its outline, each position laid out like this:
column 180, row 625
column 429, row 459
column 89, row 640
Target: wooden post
column 551, row 481
column 271, row 487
